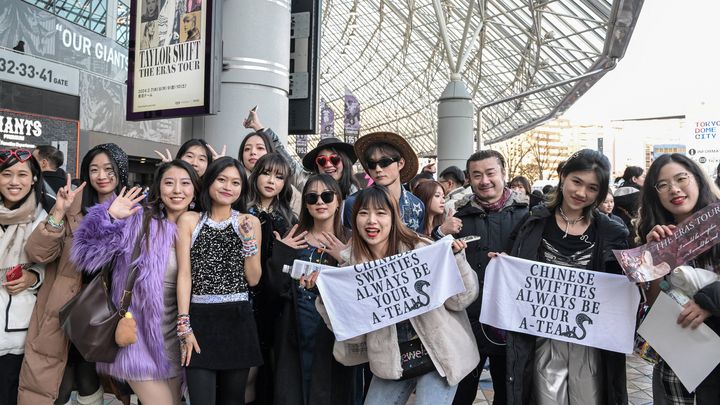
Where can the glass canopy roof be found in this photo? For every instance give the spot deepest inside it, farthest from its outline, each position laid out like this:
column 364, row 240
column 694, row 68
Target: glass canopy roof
column 392, row 55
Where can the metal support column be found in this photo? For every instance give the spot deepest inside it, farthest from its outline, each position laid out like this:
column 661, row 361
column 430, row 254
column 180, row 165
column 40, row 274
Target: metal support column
column 455, row 125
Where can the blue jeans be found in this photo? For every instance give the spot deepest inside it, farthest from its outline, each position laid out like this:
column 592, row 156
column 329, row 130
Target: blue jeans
column 308, row 322
column 430, row 389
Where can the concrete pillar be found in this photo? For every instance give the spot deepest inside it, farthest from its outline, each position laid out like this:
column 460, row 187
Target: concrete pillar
column 455, row 125
column 256, row 55
column 111, row 19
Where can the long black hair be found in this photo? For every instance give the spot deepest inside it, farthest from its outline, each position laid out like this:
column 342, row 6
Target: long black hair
column 38, row 187
column 306, row 220
column 153, row 208
column 583, row 161
column 195, row 142
column 281, row 203
column 90, row 196
column 630, row 172
column 212, row 172
column 652, row 211
column 268, row 144
column 347, row 180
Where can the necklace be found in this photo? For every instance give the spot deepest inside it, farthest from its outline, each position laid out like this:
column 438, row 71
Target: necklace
column 568, row 222
column 269, row 209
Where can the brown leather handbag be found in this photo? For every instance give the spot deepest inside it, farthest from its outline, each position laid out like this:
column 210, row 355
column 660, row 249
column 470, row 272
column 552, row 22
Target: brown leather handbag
column 90, row 318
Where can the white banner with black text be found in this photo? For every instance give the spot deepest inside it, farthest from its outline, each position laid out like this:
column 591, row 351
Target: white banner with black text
column 370, row 296
column 562, row 303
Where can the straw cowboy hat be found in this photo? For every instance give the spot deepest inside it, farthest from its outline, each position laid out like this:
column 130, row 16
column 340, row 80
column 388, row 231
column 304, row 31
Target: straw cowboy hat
column 396, row 141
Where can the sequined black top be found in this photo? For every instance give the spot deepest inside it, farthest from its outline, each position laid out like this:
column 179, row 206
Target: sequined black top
column 216, row 258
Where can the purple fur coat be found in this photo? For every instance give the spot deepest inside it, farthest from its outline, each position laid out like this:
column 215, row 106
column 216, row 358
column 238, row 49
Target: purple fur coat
column 95, row 243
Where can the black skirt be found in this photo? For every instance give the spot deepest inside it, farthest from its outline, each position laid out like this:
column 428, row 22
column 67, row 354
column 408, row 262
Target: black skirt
column 227, row 336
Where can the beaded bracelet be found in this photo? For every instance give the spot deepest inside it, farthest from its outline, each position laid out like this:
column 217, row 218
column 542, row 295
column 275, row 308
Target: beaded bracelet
column 183, row 320
column 249, row 248
column 182, row 334
column 52, row 223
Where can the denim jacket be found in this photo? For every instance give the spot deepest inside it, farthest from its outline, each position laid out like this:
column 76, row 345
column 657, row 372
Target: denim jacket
column 412, row 211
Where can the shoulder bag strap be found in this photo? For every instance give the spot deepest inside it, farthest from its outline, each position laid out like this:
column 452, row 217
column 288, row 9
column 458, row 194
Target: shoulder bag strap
column 127, row 292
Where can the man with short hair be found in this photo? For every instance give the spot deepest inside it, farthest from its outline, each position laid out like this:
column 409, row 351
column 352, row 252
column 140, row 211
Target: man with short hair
column 50, row 160
column 390, row 161
column 452, row 179
column 492, row 211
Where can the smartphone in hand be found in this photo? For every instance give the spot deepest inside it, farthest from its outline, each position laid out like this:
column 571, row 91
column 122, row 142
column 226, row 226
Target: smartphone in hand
column 14, row 273
column 250, row 115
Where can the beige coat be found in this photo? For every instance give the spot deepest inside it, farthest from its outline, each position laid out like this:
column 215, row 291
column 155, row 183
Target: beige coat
column 46, row 347
column 445, row 332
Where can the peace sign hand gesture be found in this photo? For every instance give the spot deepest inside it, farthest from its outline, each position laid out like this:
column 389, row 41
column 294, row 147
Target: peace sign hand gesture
column 126, row 203
column 216, row 155
column 295, row 242
column 64, row 199
column 163, row 157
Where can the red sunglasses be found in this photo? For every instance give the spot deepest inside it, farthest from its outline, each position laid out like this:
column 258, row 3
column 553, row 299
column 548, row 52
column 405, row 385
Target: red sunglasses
column 323, row 160
column 21, row 155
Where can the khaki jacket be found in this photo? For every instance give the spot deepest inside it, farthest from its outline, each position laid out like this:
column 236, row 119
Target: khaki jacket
column 445, row 332
column 46, row 347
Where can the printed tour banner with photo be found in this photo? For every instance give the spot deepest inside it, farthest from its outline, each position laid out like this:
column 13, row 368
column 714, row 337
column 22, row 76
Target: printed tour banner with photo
column 561, row 303
column 170, row 61
column 691, row 238
column 369, row 296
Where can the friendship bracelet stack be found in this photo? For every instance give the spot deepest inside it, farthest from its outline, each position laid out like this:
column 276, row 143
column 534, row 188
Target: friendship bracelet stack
column 56, row 225
column 183, row 326
column 249, row 246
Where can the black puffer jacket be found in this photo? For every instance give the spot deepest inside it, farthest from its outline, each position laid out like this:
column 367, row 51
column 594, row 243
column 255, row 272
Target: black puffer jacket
column 521, row 347
column 494, row 229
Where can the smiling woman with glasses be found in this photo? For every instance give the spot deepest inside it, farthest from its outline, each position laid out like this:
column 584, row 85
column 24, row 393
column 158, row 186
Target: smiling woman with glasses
column 680, row 180
column 680, row 190
column 319, row 237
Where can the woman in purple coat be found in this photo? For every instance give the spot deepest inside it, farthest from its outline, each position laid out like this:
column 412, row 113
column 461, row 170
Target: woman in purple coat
column 111, row 230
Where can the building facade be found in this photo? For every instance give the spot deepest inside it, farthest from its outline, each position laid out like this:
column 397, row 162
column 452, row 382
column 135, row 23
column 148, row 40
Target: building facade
column 64, row 65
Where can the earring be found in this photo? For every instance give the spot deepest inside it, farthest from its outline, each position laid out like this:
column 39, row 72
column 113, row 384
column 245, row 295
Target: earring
column 162, row 206
column 192, row 205
column 34, row 178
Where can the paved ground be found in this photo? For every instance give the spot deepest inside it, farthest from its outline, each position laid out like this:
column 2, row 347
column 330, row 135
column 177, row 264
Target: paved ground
column 639, row 375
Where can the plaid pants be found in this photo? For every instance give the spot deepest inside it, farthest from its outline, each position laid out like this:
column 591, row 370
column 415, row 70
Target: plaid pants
column 675, row 392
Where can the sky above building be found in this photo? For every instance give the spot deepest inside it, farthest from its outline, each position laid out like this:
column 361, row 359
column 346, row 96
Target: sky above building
column 670, row 67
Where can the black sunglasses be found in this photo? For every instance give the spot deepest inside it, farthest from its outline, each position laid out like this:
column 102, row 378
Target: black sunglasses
column 326, row 196
column 383, row 162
